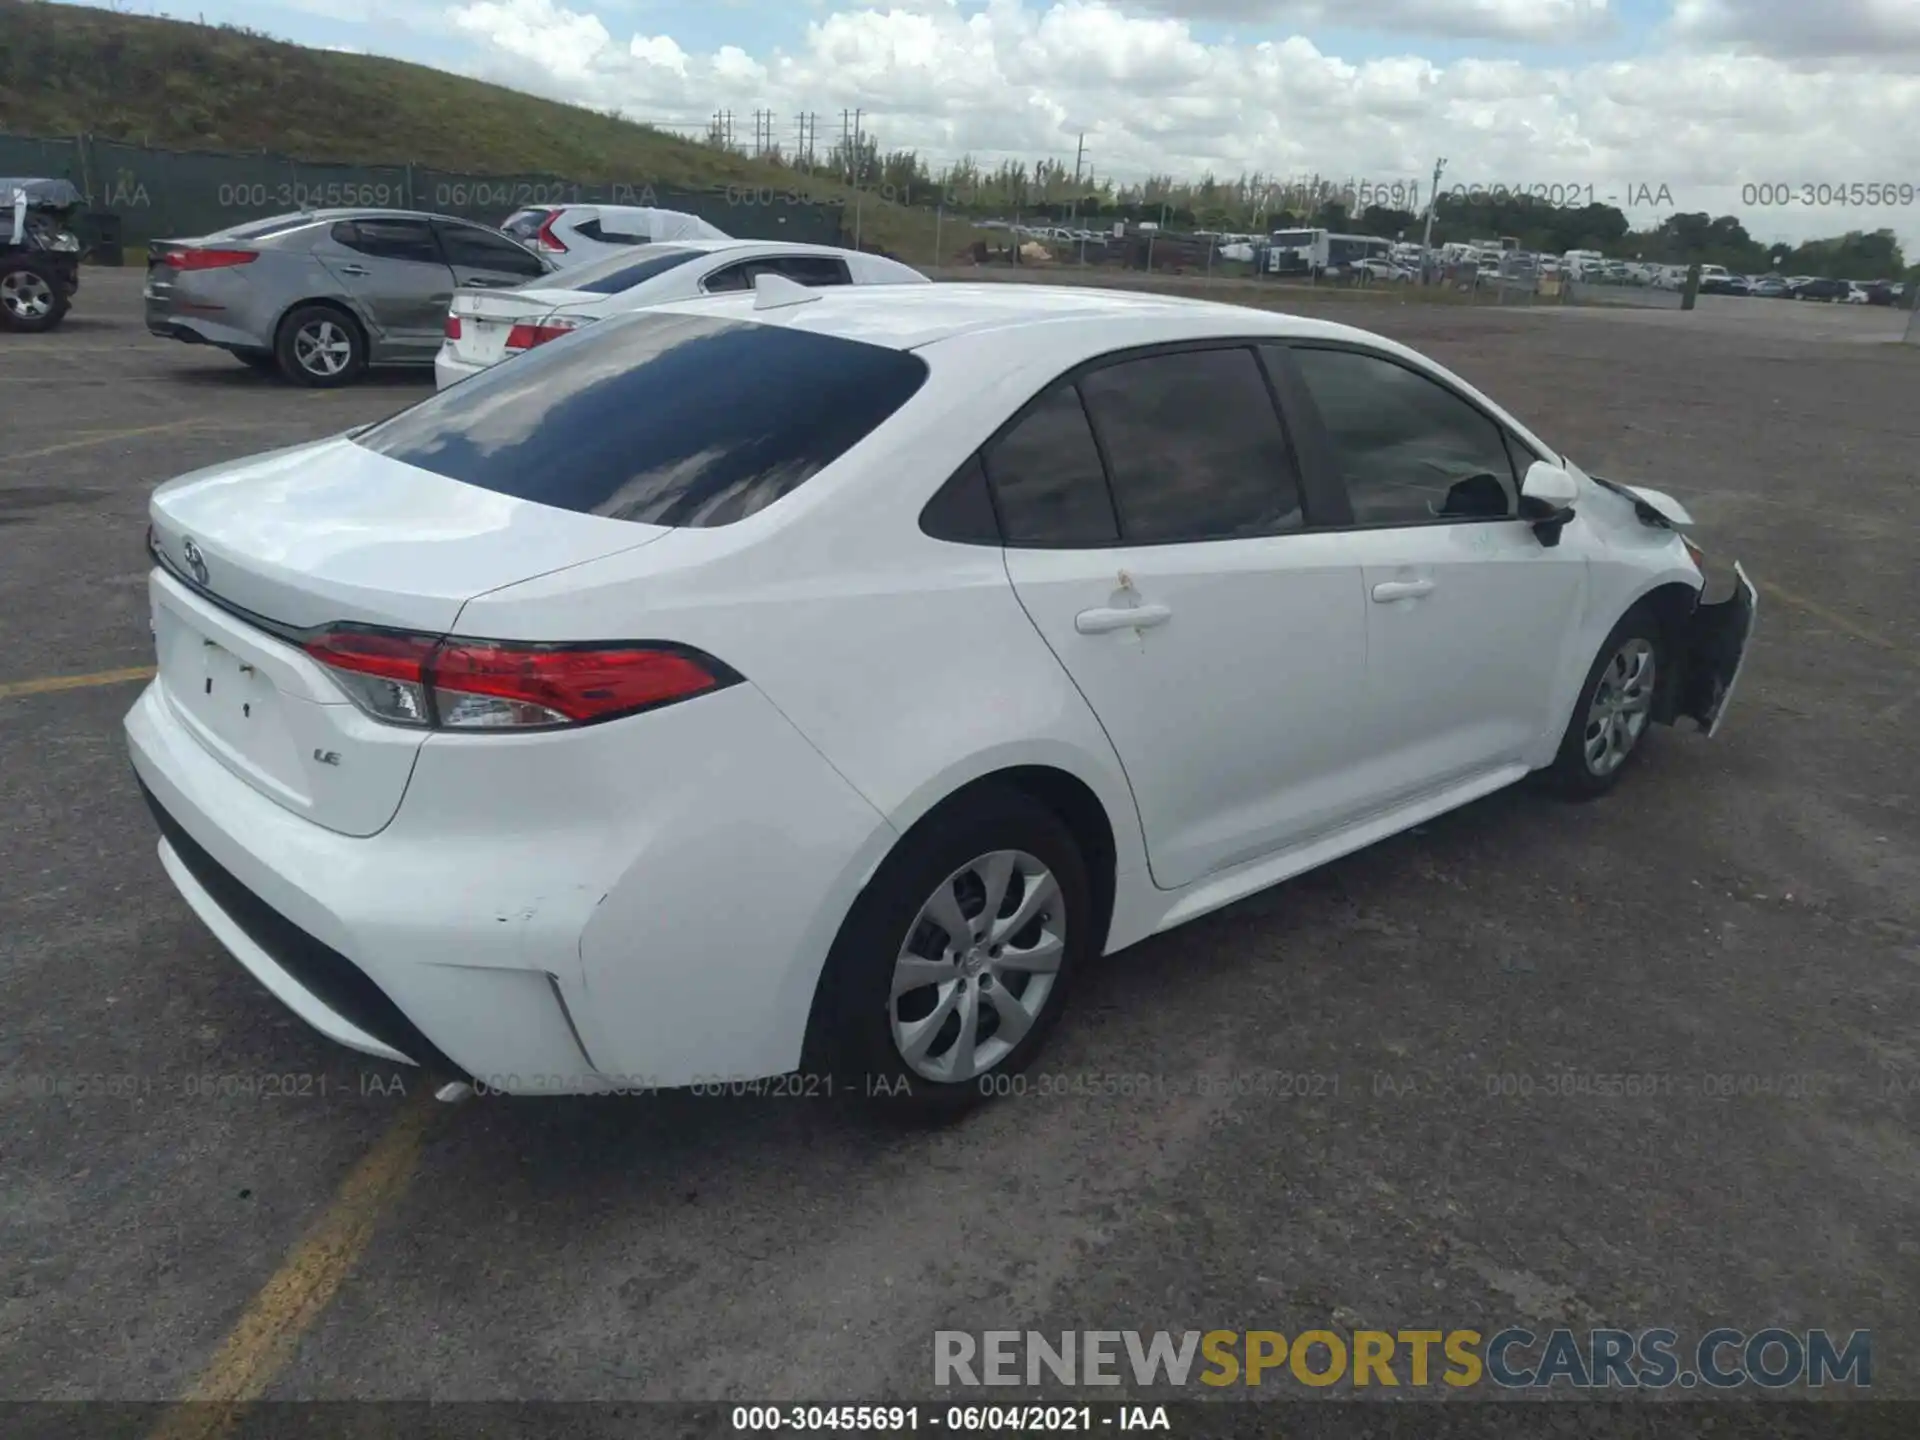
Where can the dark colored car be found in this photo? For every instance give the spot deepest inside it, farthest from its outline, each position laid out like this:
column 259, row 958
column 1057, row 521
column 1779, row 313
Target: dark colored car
column 321, row 295
column 39, row 253
column 1884, row 292
column 1828, row 290
column 1725, row 285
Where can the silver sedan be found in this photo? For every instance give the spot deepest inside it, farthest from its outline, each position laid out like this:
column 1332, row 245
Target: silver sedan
column 322, row 295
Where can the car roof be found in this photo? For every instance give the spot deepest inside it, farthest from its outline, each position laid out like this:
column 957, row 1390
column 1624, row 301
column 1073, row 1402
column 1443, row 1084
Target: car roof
column 916, row 316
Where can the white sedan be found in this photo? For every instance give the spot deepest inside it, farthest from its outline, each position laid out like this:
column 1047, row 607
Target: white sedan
column 812, row 681
column 487, row 325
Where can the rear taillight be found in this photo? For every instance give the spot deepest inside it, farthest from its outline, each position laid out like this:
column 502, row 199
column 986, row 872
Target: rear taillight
column 209, row 259
column 453, row 327
column 525, row 337
column 456, row 684
column 546, row 239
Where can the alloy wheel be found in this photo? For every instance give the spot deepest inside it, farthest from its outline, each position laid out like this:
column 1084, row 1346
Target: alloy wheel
column 323, row 348
column 977, row 965
column 26, row 294
column 1622, row 705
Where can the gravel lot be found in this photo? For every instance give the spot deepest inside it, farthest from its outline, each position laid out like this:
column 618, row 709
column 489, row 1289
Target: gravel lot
column 1741, row 918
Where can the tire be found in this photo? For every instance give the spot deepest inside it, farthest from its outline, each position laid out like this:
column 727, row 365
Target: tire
column 1614, row 713
column 321, row 347
column 33, row 299
column 881, row 1045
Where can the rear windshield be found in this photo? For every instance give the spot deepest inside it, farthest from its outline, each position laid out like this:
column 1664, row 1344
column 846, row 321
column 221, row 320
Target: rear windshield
column 625, row 270
column 524, row 224
column 260, row 229
column 666, row 419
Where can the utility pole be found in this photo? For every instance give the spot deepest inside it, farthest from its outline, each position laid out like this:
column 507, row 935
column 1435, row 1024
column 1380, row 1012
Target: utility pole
column 1079, row 155
column 1433, row 198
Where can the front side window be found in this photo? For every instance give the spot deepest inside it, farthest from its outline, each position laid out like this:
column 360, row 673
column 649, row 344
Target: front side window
column 478, row 249
column 1194, row 447
column 641, row 417
column 730, row 278
column 1409, row 450
column 1048, row 483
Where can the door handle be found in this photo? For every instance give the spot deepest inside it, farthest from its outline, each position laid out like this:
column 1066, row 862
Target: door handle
column 1135, row 617
column 354, row 270
column 1387, row 591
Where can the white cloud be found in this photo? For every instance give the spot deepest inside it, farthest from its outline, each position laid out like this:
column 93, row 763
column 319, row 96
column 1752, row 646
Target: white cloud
column 1558, row 21
column 1014, row 80
column 566, row 43
column 1805, row 28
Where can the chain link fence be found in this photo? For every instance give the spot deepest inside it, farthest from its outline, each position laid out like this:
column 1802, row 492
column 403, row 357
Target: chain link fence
column 156, row 194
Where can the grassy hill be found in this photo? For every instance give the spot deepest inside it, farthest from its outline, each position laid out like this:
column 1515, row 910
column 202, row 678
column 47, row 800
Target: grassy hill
column 66, row 69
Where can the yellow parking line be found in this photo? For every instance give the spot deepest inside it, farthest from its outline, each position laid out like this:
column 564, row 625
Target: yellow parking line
column 1838, row 622
column 103, row 437
column 260, row 1345
column 11, row 688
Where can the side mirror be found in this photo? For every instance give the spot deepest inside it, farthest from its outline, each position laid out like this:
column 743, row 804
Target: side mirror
column 1549, row 487
column 1546, row 499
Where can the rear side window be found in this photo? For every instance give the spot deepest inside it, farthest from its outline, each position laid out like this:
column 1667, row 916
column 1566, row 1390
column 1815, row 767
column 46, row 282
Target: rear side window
column 664, row 419
column 612, row 232
column 1048, row 483
column 626, row 270
column 390, row 239
column 1194, row 446
column 810, row 269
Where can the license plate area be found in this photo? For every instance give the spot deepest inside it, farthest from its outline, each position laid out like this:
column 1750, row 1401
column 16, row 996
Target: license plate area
column 229, row 701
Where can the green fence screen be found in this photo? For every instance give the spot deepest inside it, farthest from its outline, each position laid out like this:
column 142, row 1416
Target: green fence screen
column 159, row 194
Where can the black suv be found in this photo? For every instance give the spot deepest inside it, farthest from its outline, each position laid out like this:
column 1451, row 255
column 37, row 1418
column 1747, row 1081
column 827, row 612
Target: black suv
column 39, row 253
column 1829, row 290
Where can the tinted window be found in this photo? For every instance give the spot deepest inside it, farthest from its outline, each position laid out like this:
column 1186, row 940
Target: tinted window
column 642, row 417
column 733, row 277
column 627, row 269
column 1048, row 483
column 389, row 239
column 525, row 224
column 482, row 250
column 1408, row 449
column 611, row 234
column 1194, row 447
column 810, row 269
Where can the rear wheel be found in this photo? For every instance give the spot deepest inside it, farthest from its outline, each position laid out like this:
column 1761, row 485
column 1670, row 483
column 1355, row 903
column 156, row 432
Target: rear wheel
column 954, row 965
column 1615, row 709
column 32, row 297
column 320, row 346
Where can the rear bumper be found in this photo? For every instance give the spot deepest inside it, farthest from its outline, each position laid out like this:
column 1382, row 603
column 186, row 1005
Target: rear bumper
column 449, row 371
column 548, row 915
column 164, row 321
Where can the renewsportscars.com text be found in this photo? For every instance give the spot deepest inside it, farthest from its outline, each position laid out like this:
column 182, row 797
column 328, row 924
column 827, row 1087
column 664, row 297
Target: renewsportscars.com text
column 1515, row 1358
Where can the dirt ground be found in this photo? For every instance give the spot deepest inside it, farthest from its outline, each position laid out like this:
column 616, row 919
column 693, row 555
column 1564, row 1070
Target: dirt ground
column 1740, row 920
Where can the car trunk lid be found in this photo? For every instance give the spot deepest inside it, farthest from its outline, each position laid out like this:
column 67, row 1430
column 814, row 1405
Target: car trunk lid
column 487, row 318
column 258, row 555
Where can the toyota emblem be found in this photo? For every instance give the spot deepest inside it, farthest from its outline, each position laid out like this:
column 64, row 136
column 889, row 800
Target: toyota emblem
column 196, row 562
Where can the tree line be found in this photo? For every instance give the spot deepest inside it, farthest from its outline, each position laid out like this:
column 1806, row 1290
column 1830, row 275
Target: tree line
column 1049, row 192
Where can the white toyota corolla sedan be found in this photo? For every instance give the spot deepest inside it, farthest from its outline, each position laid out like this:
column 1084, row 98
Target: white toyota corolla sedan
column 487, row 325
column 807, row 683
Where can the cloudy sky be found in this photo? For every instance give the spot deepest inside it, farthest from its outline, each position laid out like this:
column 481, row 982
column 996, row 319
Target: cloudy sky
column 1684, row 101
